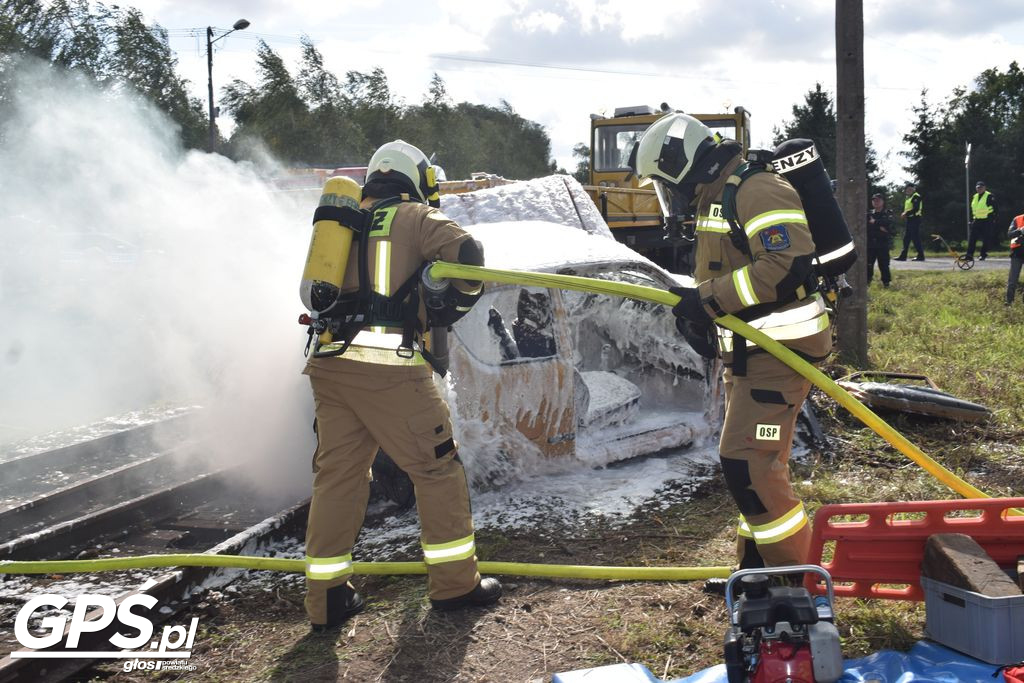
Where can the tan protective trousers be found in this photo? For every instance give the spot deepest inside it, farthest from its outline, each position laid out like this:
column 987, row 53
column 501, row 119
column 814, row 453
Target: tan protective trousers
column 757, row 436
column 360, row 406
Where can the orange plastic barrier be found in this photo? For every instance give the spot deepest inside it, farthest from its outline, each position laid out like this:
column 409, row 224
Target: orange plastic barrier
column 876, row 549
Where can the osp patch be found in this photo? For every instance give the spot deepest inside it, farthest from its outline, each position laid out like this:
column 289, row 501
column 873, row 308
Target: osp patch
column 775, row 238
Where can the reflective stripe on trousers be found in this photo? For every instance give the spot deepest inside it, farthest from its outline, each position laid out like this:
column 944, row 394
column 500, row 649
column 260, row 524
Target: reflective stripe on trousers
column 452, row 551
column 775, row 530
column 324, row 568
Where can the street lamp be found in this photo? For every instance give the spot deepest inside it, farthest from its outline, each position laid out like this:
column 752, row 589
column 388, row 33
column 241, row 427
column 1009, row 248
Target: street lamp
column 239, row 25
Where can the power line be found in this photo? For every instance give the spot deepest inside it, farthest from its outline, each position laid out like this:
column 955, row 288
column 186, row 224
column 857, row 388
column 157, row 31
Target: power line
column 561, row 67
column 295, row 40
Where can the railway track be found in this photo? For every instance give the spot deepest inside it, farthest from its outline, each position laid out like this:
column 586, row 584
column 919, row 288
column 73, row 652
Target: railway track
column 29, row 476
column 126, row 494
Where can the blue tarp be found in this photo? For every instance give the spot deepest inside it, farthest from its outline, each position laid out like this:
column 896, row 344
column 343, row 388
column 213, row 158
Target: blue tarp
column 925, row 663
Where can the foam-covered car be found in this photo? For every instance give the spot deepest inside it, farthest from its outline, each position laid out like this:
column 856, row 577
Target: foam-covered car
column 547, row 378
column 542, row 373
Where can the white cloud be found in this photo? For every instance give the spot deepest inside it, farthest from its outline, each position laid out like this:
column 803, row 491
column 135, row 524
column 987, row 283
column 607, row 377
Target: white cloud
column 542, row 21
column 698, row 57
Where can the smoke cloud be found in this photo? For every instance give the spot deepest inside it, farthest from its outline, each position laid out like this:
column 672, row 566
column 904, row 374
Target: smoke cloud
column 134, row 273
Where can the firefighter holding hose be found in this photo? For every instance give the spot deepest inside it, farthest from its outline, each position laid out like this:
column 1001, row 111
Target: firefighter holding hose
column 757, row 263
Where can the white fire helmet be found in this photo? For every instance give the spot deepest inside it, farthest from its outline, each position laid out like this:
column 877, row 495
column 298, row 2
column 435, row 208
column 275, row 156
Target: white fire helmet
column 409, row 162
column 667, row 152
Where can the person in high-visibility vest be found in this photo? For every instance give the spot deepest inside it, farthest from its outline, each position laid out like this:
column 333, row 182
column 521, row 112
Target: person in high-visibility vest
column 1016, row 235
column 983, row 214
column 913, row 209
column 375, row 389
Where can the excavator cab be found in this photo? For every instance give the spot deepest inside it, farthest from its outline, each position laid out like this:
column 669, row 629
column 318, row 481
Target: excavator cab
column 633, row 213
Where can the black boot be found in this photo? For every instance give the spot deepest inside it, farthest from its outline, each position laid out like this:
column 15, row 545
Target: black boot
column 342, row 602
column 901, row 257
column 487, row 592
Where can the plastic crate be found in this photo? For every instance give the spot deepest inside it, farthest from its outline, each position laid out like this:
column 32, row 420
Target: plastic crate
column 989, row 629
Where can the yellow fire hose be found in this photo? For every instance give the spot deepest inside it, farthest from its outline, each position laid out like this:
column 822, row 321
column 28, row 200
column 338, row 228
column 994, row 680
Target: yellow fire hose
column 583, row 284
column 660, row 296
column 362, row 568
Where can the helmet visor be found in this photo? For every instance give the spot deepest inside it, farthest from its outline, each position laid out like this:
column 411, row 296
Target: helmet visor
column 668, row 198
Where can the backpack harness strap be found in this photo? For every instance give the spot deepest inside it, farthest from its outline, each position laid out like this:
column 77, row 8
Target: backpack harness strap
column 352, row 312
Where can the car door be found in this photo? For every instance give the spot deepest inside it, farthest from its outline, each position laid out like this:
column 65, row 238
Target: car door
column 512, row 363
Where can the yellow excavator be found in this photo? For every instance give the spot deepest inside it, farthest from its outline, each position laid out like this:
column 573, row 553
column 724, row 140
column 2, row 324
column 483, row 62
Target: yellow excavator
column 632, row 212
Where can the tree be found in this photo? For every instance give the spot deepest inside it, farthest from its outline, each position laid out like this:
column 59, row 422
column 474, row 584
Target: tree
column 334, row 138
column 142, row 58
column 26, row 28
column 317, row 86
column 373, row 108
column 816, row 119
column 273, row 112
column 437, row 94
column 990, row 117
column 110, row 47
column 581, row 154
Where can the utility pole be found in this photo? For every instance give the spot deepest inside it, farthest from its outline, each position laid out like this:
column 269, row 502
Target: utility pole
column 851, row 172
column 211, row 132
column 240, row 25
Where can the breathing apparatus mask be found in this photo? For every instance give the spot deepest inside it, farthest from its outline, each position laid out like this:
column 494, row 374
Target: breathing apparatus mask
column 674, row 201
column 676, row 153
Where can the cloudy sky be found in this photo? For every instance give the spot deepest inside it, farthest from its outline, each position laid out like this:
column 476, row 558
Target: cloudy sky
column 557, row 61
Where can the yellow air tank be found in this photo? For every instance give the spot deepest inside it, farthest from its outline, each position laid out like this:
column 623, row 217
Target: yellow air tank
column 329, row 247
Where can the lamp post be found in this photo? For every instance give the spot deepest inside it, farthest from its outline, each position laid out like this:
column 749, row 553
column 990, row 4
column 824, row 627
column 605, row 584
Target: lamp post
column 967, row 190
column 239, row 25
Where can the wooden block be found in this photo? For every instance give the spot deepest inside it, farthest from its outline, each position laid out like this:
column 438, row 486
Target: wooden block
column 958, row 560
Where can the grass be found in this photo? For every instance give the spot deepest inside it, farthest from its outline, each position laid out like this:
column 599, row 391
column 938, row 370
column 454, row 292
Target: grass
column 953, row 327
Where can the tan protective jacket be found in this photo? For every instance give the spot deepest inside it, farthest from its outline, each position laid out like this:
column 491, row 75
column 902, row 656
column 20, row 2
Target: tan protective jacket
column 402, row 236
column 770, row 212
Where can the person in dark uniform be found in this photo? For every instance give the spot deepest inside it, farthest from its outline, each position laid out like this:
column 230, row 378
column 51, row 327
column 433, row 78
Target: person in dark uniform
column 1016, row 235
column 913, row 209
column 879, row 239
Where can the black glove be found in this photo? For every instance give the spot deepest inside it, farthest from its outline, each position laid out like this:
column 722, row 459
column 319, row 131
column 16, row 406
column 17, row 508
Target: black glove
column 689, row 306
column 693, row 322
column 701, row 339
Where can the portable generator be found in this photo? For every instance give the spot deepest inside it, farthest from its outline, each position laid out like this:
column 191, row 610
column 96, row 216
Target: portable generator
column 780, row 633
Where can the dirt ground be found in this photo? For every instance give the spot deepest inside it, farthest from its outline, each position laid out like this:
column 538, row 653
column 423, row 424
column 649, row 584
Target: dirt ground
column 542, row 627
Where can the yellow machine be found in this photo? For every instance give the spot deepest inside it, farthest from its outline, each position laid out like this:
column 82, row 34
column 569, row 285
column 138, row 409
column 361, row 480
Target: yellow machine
column 633, row 213
column 329, row 246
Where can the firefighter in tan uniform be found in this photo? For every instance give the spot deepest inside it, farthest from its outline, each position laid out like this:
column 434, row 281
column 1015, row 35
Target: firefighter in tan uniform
column 764, row 276
column 379, row 392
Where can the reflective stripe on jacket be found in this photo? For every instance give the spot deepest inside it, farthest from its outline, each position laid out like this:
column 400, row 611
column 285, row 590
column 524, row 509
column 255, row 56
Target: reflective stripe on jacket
column 402, row 236
column 779, row 260
column 805, row 320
